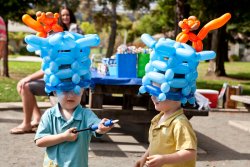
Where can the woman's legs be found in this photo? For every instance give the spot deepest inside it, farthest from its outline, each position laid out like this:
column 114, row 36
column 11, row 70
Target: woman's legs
column 36, row 115
column 29, row 108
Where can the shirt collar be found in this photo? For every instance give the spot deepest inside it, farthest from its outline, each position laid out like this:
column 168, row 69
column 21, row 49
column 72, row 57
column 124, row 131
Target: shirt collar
column 77, row 114
column 169, row 119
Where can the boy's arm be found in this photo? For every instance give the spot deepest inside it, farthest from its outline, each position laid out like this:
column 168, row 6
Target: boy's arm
column 142, row 160
column 52, row 140
column 179, row 156
column 102, row 129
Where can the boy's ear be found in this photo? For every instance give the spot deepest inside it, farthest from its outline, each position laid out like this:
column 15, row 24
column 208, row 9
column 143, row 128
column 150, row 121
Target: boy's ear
column 54, row 93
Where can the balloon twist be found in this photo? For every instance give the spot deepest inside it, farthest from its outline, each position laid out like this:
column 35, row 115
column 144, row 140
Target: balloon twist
column 44, row 23
column 173, row 66
column 191, row 24
column 66, row 62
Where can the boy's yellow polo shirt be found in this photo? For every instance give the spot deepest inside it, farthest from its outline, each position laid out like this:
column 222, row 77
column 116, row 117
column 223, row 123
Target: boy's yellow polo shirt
column 174, row 134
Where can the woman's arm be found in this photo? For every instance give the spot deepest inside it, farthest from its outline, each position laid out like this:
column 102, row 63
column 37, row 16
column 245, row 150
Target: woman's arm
column 52, row 140
column 36, row 75
column 180, row 156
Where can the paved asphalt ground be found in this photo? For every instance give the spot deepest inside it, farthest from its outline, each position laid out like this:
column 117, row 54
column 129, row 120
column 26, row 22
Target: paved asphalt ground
column 223, row 140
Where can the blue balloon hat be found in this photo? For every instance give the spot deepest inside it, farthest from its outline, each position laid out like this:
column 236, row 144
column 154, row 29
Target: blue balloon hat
column 172, row 65
column 65, row 59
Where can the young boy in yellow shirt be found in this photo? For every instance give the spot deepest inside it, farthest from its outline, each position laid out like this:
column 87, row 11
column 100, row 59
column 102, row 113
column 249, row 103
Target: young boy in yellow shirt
column 172, row 140
column 170, row 79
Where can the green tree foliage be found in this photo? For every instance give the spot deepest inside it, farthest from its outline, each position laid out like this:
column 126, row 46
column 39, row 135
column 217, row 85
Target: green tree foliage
column 238, row 24
column 150, row 25
column 17, row 37
column 162, row 20
column 13, row 10
column 159, row 20
column 88, row 28
column 54, row 5
column 109, row 11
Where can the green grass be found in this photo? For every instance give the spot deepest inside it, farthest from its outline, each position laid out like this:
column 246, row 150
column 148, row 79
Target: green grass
column 8, row 90
column 17, row 71
column 238, row 73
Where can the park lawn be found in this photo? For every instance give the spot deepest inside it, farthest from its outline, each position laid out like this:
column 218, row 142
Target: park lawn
column 17, row 70
column 238, row 73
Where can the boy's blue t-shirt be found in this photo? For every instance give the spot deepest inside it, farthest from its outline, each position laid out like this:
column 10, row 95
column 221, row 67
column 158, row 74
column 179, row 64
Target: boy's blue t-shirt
column 67, row 154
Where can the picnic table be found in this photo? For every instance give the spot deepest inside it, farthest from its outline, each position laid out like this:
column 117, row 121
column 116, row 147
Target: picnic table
column 108, row 87
column 245, row 99
column 118, row 98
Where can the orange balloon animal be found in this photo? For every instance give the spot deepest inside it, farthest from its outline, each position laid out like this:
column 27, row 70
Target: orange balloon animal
column 44, row 23
column 192, row 23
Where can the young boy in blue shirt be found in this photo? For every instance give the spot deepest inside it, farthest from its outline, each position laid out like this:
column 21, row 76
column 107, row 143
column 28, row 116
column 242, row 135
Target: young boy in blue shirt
column 56, row 131
column 66, row 67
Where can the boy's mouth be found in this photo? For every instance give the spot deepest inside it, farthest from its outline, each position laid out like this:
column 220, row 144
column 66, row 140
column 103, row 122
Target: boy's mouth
column 70, row 100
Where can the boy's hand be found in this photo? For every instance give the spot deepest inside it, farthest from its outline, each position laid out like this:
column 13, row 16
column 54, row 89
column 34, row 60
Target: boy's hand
column 140, row 163
column 69, row 135
column 154, row 161
column 103, row 129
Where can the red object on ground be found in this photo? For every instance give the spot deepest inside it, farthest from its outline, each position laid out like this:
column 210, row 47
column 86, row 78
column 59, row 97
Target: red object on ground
column 212, row 96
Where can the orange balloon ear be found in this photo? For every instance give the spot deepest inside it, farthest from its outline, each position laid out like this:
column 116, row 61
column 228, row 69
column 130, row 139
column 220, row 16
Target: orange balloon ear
column 195, row 26
column 29, row 21
column 56, row 15
column 180, row 24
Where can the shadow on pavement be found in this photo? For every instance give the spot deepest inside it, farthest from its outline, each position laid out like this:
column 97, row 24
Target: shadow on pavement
column 117, row 143
column 216, row 151
column 7, row 120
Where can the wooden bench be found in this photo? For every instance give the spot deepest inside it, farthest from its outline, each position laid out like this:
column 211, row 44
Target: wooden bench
column 243, row 99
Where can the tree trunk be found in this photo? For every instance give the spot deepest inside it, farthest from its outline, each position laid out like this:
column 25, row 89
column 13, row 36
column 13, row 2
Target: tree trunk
column 219, row 45
column 5, row 55
column 221, row 52
column 113, row 31
column 182, row 11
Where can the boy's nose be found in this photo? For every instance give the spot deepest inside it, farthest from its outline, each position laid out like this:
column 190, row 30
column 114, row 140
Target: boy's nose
column 71, row 93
